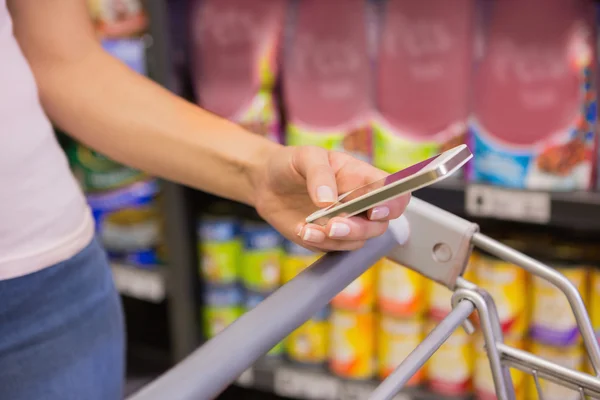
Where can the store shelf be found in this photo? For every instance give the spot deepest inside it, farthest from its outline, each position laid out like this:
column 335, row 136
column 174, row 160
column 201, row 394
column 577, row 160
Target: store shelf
column 148, row 285
column 286, row 380
column 573, row 210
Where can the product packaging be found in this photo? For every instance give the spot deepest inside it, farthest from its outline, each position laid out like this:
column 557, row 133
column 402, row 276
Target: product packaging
column 262, row 257
column 309, row 344
column 129, row 223
column 352, row 344
column 215, row 319
column 534, row 104
column 396, row 339
column 360, row 294
column 401, row 291
column 450, row 369
column 423, row 71
column 118, row 18
column 295, row 260
column 234, row 59
column 327, row 77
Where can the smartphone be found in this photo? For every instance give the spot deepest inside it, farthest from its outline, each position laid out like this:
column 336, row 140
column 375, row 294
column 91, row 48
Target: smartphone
column 402, row 182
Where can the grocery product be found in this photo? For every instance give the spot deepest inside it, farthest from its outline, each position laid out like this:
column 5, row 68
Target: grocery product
column 98, row 173
column 223, row 296
column 507, row 285
column 251, row 301
column 360, row 294
column 216, row 319
column 423, row 70
column 483, row 382
column 327, row 77
column 128, row 222
column 296, row 259
column 262, row 257
column 234, row 46
column 572, row 357
column 396, row 339
column 400, row 291
column 534, row 111
column 552, row 320
column 352, row 344
column 131, row 51
column 450, row 368
column 220, row 249
column 594, row 301
column 439, row 297
column 308, row 345
column 118, row 18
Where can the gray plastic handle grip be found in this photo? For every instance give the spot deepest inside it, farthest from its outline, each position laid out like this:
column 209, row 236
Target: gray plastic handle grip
column 210, row 369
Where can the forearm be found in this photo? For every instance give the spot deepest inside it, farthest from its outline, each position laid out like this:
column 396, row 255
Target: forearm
column 111, row 109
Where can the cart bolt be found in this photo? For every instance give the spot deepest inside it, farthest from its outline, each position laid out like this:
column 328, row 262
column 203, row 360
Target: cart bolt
column 442, row 253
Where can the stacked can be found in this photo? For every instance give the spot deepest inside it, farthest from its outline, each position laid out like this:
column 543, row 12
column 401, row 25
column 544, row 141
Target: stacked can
column 508, row 285
column 309, row 344
column 352, row 329
column 554, row 332
column 220, row 249
column 401, row 303
column 261, row 265
column 450, row 369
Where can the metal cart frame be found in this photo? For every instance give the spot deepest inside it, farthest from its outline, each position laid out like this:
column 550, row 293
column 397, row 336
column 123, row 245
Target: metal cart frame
column 428, row 240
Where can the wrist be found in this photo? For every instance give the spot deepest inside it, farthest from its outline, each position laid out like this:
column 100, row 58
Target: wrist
column 255, row 167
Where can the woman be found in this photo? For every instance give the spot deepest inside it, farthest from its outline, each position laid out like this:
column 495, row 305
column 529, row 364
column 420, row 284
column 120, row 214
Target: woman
column 61, row 328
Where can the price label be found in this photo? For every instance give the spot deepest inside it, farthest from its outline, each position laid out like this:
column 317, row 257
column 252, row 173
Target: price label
column 247, row 378
column 140, row 284
column 493, row 202
column 300, row 384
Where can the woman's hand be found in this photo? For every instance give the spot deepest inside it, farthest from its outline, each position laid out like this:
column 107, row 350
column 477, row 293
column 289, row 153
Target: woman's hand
column 296, row 181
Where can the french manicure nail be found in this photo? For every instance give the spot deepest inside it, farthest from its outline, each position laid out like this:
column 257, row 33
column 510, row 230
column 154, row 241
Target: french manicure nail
column 313, row 235
column 339, row 229
column 325, row 194
column 380, row 213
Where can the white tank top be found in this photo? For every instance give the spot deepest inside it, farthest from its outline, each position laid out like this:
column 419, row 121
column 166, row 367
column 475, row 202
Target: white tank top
column 44, row 218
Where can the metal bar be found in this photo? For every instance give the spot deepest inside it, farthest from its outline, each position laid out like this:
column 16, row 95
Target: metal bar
column 211, row 368
column 545, row 369
column 561, row 282
column 181, row 272
column 415, row 360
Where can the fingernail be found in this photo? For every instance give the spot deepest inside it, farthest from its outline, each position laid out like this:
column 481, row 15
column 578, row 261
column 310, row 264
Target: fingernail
column 339, row 229
column 380, row 213
column 325, row 194
column 313, row 235
column 299, row 230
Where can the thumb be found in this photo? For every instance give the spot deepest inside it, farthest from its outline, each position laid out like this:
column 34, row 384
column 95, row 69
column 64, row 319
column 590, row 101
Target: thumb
column 313, row 164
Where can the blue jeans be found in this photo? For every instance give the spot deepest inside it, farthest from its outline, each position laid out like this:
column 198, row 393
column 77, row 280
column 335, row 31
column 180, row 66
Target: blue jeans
column 62, row 332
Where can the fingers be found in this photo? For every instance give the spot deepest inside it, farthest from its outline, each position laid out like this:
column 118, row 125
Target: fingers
column 389, row 210
column 313, row 164
column 341, row 233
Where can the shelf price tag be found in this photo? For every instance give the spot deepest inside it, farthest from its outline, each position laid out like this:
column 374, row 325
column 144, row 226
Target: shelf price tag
column 138, row 283
column 291, row 382
column 501, row 203
column 247, row 378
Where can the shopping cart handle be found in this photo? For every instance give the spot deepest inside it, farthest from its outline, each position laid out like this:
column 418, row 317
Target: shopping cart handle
column 215, row 365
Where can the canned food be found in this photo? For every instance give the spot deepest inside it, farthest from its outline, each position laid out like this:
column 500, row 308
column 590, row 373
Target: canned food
column 122, row 18
column 220, row 247
column 553, row 321
column 400, row 291
column 396, row 339
column 450, row 369
column 507, row 284
column 483, row 382
column 352, row 344
column 262, row 257
column 572, row 357
column 439, row 297
column 128, row 221
column 217, row 318
column 308, row 345
column 360, row 294
column 252, row 300
column 223, row 295
column 296, row 259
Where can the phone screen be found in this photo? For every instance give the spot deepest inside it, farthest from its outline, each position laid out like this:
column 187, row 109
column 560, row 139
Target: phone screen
column 392, row 178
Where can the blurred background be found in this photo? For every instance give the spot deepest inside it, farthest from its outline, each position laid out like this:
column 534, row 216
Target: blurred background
column 392, row 82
